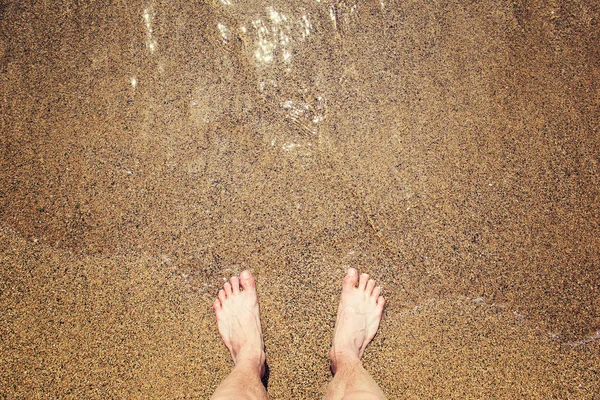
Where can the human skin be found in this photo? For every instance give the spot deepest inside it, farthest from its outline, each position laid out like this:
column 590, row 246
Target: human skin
column 238, row 321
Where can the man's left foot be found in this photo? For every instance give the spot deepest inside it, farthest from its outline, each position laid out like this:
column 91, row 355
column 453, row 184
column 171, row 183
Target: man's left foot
column 359, row 314
column 238, row 320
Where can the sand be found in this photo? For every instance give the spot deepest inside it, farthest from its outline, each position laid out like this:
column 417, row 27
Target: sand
column 151, row 150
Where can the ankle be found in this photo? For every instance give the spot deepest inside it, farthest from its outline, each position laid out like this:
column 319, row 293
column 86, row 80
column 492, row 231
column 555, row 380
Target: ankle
column 343, row 360
column 251, row 364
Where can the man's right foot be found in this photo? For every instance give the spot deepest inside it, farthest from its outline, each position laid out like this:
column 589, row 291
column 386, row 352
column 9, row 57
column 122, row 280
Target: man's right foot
column 358, row 318
column 238, row 320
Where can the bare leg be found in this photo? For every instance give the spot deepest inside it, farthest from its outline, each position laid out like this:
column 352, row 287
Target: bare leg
column 357, row 322
column 239, row 325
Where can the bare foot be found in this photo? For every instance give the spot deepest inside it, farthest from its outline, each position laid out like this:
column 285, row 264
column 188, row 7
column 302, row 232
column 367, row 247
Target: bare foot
column 358, row 318
column 239, row 321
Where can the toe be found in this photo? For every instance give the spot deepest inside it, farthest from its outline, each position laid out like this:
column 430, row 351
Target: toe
column 227, row 288
column 350, row 278
column 222, row 296
column 380, row 303
column 376, row 292
column 235, row 284
column 362, row 282
column 217, row 305
column 370, row 286
column 247, row 280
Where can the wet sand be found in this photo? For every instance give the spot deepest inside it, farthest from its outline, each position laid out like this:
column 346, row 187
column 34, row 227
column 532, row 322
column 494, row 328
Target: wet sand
column 151, row 150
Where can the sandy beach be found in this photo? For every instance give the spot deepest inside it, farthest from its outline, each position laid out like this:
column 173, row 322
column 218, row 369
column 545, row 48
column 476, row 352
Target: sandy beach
column 150, row 150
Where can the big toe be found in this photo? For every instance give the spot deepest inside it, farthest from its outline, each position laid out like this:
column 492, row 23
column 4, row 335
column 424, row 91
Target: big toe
column 350, row 279
column 247, row 280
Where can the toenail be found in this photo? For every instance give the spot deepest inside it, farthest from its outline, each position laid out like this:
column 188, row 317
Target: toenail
column 351, row 271
column 245, row 275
